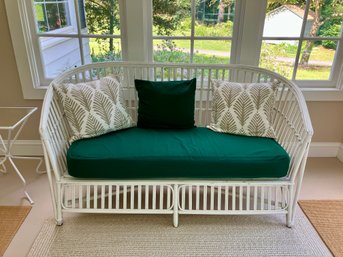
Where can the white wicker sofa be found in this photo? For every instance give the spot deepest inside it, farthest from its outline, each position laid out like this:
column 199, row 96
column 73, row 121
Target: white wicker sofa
column 178, row 196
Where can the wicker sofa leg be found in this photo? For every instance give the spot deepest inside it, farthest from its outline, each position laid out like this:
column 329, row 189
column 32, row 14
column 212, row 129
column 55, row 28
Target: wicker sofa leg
column 290, row 220
column 295, row 195
column 176, row 207
column 289, row 215
column 59, row 215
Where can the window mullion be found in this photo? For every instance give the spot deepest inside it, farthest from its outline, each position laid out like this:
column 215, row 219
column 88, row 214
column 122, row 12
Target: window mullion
column 301, row 39
column 337, row 68
column 248, row 32
column 136, row 30
column 79, row 35
column 46, row 16
column 58, row 9
column 192, row 31
column 237, row 31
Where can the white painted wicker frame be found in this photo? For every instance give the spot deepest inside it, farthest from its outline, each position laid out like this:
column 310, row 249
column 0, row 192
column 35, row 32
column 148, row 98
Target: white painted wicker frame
column 248, row 196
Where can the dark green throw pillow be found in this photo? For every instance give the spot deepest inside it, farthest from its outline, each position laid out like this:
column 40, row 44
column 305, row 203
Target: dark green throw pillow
column 167, row 104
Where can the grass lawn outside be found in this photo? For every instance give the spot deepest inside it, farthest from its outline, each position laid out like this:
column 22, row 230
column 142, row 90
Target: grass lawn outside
column 313, row 73
column 319, row 53
column 208, row 45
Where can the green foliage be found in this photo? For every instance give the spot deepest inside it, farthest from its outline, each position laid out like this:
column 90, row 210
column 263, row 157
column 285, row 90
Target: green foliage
column 273, row 4
column 210, row 59
column 101, row 52
column 222, row 29
column 167, row 51
column 332, row 31
column 213, row 11
column 332, row 14
column 102, row 16
column 181, row 57
column 268, row 59
column 106, row 57
column 167, row 15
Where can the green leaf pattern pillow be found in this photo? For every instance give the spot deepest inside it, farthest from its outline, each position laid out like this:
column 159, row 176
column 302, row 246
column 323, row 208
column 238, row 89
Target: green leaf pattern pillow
column 242, row 108
column 93, row 108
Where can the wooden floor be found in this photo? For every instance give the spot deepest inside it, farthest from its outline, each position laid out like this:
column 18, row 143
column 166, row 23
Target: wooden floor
column 323, row 180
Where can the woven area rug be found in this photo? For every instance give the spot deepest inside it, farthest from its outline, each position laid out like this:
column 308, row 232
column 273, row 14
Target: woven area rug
column 327, row 218
column 154, row 235
column 11, row 218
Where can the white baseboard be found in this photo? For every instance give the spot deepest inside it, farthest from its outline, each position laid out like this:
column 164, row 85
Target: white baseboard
column 317, row 149
column 27, row 148
column 324, row 149
column 340, row 153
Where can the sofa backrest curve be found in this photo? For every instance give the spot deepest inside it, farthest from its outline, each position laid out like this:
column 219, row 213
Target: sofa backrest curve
column 291, row 119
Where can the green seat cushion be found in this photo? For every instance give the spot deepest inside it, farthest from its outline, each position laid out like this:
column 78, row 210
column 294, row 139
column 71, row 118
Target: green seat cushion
column 166, row 104
column 197, row 153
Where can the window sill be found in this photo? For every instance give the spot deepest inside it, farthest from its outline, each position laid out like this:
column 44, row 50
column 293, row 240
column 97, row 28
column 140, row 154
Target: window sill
column 322, row 94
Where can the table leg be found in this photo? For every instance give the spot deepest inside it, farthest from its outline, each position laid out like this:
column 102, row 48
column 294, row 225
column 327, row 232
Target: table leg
column 38, row 171
column 22, row 179
column 3, row 149
column 6, row 149
column 2, row 165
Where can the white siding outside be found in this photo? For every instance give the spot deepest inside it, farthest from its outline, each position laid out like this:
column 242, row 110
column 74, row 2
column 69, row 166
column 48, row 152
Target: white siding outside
column 283, row 23
column 62, row 54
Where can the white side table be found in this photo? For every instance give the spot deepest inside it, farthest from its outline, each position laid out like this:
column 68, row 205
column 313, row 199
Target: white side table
column 12, row 121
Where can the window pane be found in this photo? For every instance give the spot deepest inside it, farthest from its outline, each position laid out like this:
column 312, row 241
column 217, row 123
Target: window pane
column 59, row 54
column 316, row 60
column 283, row 20
column 214, row 18
column 82, row 14
column 102, row 17
column 102, row 49
column 64, row 14
column 212, row 51
column 56, row 14
column 172, row 51
column 324, row 20
column 279, row 56
column 172, row 17
column 42, row 25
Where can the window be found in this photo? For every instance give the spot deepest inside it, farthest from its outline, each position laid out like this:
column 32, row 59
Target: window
column 300, row 40
column 195, row 31
column 56, row 35
column 69, row 35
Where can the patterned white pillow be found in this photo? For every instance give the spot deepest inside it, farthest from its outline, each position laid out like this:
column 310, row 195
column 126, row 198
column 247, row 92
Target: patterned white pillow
column 243, row 109
column 93, row 108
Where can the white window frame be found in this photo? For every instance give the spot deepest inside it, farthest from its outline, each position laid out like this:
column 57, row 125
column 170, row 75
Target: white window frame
column 136, row 38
